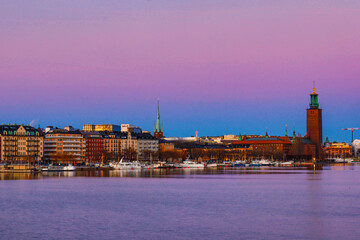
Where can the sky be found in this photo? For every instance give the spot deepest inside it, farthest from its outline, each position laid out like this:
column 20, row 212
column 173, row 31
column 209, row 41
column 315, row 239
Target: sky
column 217, row 66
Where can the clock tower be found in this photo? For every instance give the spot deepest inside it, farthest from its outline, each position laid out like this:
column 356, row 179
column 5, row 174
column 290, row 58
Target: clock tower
column 314, row 123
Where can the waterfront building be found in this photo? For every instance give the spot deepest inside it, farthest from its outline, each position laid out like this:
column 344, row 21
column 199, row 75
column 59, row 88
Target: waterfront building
column 63, row 146
column 301, row 148
column 20, row 143
column 158, row 131
column 129, row 145
column 201, row 151
column 101, row 128
column 356, row 147
column 94, row 142
column 112, row 145
column 271, row 147
column 336, row 149
column 314, row 124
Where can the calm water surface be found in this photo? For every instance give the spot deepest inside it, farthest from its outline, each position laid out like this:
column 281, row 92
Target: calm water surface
column 176, row 204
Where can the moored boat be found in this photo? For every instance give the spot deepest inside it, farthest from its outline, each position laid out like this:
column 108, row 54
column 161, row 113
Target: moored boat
column 286, row 164
column 191, row 164
column 211, row 165
column 58, row 168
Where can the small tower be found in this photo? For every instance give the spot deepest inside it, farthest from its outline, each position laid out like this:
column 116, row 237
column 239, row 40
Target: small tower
column 158, row 131
column 286, row 133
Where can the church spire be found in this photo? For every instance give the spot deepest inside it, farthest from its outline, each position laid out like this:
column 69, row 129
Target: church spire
column 158, row 124
column 158, row 131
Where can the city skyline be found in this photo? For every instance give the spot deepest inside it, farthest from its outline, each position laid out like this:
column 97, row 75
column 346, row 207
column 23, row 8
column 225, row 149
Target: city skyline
column 218, row 67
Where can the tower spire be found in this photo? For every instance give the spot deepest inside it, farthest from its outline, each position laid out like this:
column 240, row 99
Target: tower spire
column 158, row 132
column 158, row 123
column 314, row 88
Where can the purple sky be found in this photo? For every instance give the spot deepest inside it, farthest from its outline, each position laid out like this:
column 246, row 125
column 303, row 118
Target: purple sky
column 219, row 67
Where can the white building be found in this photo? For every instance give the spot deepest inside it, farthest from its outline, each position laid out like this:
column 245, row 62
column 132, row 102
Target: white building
column 130, row 128
column 356, row 147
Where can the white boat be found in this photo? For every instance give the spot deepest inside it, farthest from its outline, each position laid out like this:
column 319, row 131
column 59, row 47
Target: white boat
column 59, row 168
column 286, row 164
column 191, row 164
column 126, row 165
column 343, row 160
column 121, row 165
column 255, row 163
column 137, row 165
column 264, row 162
column 211, row 165
column 69, row 167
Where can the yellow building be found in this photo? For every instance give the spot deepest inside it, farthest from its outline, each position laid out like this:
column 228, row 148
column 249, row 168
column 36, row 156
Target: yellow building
column 20, row 143
column 101, row 128
column 336, row 149
column 119, row 144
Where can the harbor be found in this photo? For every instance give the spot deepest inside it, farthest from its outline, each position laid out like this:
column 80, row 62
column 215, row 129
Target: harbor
column 187, row 164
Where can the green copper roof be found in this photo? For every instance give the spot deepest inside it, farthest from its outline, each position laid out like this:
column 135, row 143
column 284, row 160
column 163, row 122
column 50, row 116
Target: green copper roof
column 314, row 103
column 158, row 127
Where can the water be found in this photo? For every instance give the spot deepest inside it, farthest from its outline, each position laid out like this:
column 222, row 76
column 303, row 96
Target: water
column 177, row 204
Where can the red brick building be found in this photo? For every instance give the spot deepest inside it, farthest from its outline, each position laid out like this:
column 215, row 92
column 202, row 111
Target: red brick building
column 94, row 146
column 268, row 146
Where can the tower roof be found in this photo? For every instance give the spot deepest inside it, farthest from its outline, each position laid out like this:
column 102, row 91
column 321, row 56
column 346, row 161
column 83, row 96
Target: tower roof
column 314, row 103
column 158, row 127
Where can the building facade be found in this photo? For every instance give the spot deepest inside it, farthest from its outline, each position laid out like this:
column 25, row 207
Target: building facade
column 20, row 143
column 101, row 127
column 336, row 149
column 270, row 147
column 62, row 146
column 129, row 145
column 94, row 146
column 130, row 128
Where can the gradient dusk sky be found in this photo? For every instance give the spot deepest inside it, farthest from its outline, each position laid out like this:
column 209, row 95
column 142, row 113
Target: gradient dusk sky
column 218, row 66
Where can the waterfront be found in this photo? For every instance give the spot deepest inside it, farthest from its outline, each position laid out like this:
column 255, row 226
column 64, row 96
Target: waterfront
column 257, row 203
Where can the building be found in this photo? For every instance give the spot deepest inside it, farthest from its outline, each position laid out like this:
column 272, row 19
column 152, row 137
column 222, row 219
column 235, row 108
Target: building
column 202, row 151
column 271, row 147
column 129, row 145
column 356, row 147
column 314, row 124
column 336, row 149
column 146, row 142
column 101, row 128
column 130, row 128
column 113, row 145
column 158, row 131
column 94, row 142
column 20, row 143
column 301, row 148
column 63, row 146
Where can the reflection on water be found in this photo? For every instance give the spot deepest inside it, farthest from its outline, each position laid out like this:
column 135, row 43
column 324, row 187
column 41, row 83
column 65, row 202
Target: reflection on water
column 157, row 173
column 243, row 203
column 178, row 173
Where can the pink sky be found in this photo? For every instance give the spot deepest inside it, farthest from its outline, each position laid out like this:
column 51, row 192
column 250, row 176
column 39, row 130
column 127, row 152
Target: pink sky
column 89, row 55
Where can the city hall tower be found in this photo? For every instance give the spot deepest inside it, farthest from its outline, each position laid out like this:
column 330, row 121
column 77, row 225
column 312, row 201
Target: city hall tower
column 314, row 123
